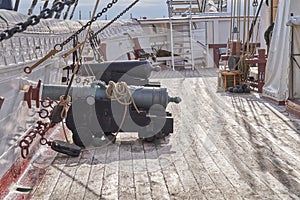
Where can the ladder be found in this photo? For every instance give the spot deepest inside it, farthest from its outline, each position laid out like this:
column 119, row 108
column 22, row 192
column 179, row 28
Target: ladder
column 181, row 29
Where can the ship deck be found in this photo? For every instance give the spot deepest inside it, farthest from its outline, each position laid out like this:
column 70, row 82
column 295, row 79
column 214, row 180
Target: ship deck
column 224, row 146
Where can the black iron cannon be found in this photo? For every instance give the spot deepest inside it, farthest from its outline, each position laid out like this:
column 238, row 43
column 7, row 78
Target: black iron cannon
column 94, row 116
column 133, row 72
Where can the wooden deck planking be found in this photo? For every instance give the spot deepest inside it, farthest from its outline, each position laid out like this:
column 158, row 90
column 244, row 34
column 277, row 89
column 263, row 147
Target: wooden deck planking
column 63, row 184
column 231, row 150
column 192, row 188
column 111, row 173
column 171, row 176
column 141, row 177
column 78, row 187
column 126, row 174
column 270, row 163
column 96, row 176
column 271, row 178
column 225, row 146
column 211, row 166
column 158, row 186
column 50, row 179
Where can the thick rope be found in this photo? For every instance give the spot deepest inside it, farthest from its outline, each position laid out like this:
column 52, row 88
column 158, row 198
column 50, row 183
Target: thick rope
column 64, row 103
column 121, row 93
column 65, row 99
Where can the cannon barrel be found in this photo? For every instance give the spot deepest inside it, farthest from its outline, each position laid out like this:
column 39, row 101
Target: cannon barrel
column 117, row 70
column 144, row 97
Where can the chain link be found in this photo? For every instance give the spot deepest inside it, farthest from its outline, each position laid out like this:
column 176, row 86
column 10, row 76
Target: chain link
column 41, row 129
column 104, row 10
column 255, row 3
column 115, row 19
column 35, row 19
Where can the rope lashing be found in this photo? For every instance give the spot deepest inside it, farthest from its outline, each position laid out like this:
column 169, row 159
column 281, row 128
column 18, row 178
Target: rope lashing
column 121, row 93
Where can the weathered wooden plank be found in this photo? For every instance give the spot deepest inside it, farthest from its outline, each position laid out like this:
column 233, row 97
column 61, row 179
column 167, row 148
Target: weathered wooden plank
column 52, row 175
column 262, row 144
column 269, row 144
column 65, row 180
column 126, row 174
column 157, row 182
column 172, row 179
column 95, row 180
column 111, row 173
column 224, row 146
column 79, row 184
column 141, row 178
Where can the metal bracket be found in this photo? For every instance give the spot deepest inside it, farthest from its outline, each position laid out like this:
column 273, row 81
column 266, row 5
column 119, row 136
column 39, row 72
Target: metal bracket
column 1, row 101
column 33, row 94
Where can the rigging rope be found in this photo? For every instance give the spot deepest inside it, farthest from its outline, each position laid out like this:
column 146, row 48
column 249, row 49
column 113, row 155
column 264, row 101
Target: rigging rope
column 117, row 17
column 65, row 99
column 121, row 93
column 254, row 22
column 74, row 8
column 58, row 14
column 59, row 47
column 33, row 4
column 67, row 12
column 34, row 19
column 45, row 4
column 17, row 3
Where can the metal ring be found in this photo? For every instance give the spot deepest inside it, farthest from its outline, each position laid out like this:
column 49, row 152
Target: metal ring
column 43, row 141
column 27, row 143
column 24, row 152
column 48, row 101
column 58, row 47
column 109, row 5
column 43, row 111
column 30, row 139
column 27, row 70
column 78, row 79
column 32, row 134
column 46, row 13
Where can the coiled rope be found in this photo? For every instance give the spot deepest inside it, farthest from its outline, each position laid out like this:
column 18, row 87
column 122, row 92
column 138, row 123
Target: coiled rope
column 121, row 93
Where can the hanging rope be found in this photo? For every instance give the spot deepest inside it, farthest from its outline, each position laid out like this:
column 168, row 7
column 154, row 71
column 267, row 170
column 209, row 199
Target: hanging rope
column 121, row 93
column 94, row 42
column 34, row 2
column 67, row 12
column 74, row 8
column 45, row 4
column 16, row 7
column 254, row 22
column 58, row 14
column 60, row 109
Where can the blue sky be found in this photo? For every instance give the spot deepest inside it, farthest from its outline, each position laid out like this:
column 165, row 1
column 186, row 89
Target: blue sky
column 144, row 8
column 148, row 8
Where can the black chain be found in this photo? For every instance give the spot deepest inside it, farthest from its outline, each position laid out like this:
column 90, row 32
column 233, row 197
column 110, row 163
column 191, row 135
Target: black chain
column 60, row 46
column 255, row 3
column 35, row 19
column 117, row 17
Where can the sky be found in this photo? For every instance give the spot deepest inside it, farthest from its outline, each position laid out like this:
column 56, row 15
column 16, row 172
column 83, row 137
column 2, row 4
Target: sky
column 144, row 8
